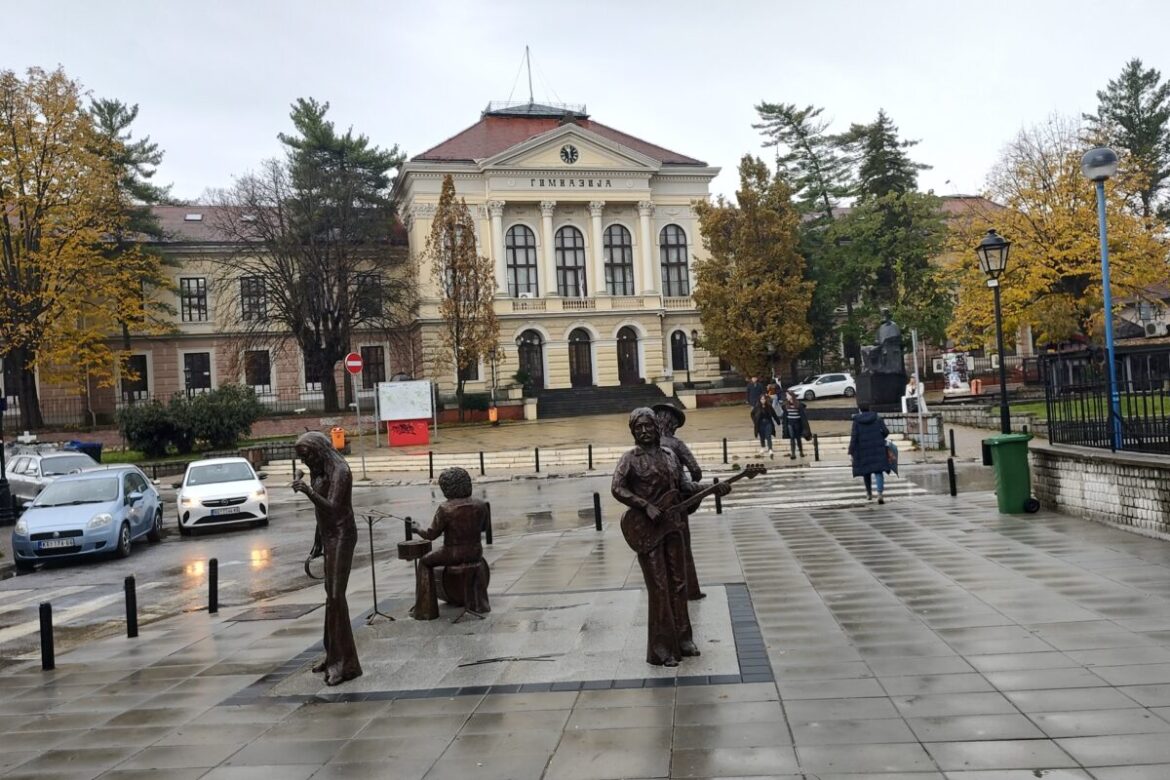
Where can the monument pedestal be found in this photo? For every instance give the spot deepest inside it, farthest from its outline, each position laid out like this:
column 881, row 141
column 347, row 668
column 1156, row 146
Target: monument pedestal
column 883, row 392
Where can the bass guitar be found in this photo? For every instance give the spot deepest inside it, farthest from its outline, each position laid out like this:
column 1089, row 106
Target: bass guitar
column 644, row 534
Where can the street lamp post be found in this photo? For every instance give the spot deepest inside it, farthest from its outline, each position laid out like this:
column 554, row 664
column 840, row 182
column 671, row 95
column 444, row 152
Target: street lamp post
column 1100, row 164
column 993, row 255
column 690, row 350
column 6, row 514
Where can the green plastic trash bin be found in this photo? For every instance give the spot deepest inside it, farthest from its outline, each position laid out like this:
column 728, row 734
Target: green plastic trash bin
column 1013, row 479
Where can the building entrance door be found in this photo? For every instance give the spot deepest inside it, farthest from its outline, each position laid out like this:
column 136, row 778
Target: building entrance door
column 580, row 359
column 531, row 347
column 627, row 346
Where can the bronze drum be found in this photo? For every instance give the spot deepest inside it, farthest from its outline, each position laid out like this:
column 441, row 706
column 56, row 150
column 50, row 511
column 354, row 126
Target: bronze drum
column 413, row 549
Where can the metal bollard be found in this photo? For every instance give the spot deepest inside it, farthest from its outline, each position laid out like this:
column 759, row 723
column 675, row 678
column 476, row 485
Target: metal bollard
column 1024, row 429
column 816, row 448
column 430, row 465
column 487, row 529
column 951, row 432
column 48, row 662
column 154, row 471
column 536, row 451
column 294, row 468
column 213, row 586
column 131, row 608
column 591, row 457
column 408, row 528
column 724, row 449
column 597, row 511
column 951, row 476
column 718, row 498
column 481, row 471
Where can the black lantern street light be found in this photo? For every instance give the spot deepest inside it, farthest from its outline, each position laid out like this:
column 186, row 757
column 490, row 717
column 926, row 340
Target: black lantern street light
column 993, row 256
column 690, row 351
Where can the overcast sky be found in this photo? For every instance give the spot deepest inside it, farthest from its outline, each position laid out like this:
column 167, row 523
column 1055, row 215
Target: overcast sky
column 214, row 79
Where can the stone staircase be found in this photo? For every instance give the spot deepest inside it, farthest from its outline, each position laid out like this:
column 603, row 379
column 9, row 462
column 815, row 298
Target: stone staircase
column 580, row 401
column 833, row 450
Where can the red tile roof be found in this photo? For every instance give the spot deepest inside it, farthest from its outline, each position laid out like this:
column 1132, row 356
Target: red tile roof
column 493, row 134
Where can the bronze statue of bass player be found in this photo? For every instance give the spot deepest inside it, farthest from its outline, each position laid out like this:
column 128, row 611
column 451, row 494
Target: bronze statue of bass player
column 649, row 481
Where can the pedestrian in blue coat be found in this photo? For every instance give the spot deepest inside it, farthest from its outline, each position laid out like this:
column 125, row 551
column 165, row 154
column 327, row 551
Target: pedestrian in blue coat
column 867, row 450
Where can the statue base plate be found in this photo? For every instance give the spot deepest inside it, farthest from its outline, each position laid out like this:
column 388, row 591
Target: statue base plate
column 883, row 392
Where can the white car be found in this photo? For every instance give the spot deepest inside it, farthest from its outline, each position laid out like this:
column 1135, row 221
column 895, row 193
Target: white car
column 220, row 492
column 825, row 386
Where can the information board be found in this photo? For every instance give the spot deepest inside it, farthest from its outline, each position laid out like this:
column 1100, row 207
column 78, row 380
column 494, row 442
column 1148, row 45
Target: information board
column 404, row 400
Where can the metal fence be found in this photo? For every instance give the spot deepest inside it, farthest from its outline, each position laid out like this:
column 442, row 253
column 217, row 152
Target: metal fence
column 1076, row 394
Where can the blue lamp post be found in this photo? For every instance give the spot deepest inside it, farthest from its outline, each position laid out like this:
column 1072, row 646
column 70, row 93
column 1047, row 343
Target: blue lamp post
column 1098, row 165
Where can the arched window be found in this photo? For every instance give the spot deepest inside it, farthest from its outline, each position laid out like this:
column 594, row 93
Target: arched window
column 570, row 257
column 520, row 253
column 619, row 261
column 672, row 243
column 678, row 351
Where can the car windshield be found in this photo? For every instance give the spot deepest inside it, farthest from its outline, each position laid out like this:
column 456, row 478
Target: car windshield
column 79, row 491
column 808, row 380
column 218, row 472
column 65, row 464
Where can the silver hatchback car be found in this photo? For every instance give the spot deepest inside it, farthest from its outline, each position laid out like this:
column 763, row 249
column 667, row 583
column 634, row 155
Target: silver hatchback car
column 31, row 471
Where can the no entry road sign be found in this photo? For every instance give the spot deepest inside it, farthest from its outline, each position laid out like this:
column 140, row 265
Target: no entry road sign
column 353, row 363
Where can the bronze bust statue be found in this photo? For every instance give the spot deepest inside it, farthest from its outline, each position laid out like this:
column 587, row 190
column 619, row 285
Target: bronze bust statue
column 330, row 490
column 670, row 419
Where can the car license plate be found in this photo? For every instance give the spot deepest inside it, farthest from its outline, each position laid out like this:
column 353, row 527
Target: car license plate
column 227, row 510
column 50, row 544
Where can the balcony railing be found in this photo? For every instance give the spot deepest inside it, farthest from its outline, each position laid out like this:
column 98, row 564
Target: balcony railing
column 579, row 304
column 529, row 304
column 678, row 303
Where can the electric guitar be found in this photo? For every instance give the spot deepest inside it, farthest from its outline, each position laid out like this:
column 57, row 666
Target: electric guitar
column 644, row 534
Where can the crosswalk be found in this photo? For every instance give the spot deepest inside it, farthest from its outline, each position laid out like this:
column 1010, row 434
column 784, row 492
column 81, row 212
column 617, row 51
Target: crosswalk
column 808, row 488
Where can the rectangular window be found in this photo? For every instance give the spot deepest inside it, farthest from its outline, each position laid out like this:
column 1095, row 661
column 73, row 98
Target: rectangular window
column 193, row 298
column 368, row 296
column 258, row 371
column 253, row 299
column 313, row 376
column 197, row 372
column 135, row 382
column 373, row 367
column 471, row 373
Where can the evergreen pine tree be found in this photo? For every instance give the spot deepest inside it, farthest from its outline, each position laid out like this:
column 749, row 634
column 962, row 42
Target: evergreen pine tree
column 882, row 163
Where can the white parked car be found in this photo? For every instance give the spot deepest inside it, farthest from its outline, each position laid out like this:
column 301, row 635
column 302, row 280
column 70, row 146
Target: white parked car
column 825, row 386
column 221, row 492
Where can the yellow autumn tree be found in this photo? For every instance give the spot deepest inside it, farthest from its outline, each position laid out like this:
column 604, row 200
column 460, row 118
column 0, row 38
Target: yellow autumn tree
column 751, row 292
column 63, row 293
column 1042, row 203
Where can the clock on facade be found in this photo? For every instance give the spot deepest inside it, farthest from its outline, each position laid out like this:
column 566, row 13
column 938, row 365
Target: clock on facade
column 569, row 153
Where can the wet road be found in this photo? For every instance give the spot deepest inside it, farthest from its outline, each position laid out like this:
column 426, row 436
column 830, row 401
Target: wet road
column 171, row 576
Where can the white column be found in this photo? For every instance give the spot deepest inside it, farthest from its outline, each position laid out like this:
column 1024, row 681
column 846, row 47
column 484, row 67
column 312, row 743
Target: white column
column 649, row 278
column 496, row 210
column 549, row 272
column 598, row 282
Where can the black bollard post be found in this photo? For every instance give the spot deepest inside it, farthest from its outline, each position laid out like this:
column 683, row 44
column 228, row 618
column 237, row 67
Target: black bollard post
column 430, row 465
column 294, row 468
column 213, row 586
column 597, row 511
column 487, row 524
column 591, row 457
column 951, row 432
column 481, row 471
column 131, row 608
column 816, row 448
column 408, row 528
column 47, row 660
column 154, row 471
column 724, row 449
column 1024, row 429
column 951, row 476
column 718, row 498
column 536, row 451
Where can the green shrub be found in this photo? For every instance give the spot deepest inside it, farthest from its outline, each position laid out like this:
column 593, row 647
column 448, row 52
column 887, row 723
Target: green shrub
column 182, row 414
column 477, row 402
column 226, row 414
column 147, row 427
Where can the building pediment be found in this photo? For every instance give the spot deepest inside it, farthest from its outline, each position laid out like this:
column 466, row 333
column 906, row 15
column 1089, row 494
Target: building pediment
column 569, row 150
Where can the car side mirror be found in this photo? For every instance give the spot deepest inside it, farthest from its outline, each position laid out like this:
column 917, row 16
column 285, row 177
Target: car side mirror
column 176, row 485
column 26, row 504
column 261, row 475
column 133, row 498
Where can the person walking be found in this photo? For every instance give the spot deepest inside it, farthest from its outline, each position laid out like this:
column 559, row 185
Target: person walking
column 796, row 426
column 755, row 389
column 765, row 420
column 867, row 450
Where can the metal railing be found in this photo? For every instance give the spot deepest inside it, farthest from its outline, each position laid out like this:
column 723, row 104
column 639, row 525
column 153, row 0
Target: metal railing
column 1079, row 407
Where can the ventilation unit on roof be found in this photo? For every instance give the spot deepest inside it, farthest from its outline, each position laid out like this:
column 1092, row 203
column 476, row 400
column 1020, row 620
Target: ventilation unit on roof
column 1155, row 329
column 193, row 218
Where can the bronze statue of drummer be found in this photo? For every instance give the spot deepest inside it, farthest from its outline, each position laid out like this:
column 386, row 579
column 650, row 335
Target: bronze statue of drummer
column 460, row 521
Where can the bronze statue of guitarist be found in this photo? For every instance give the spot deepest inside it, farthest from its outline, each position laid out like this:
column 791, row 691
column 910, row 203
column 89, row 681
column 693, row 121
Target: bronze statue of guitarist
column 649, row 481
column 670, row 419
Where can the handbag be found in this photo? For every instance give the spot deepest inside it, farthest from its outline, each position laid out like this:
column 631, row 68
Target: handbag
column 891, row 457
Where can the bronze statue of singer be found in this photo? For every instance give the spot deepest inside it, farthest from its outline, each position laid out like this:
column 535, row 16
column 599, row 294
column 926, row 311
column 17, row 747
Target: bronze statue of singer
column 670, row 419
column 330, row 490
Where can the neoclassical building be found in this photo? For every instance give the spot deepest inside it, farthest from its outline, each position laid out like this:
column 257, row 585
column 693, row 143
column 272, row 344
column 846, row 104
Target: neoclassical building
column 592, row 235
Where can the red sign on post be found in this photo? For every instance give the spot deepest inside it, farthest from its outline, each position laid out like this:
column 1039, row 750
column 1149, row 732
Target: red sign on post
column 353, row 363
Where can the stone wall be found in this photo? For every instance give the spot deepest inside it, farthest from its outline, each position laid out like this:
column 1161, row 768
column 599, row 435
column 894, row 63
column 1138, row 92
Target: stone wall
column 988, row 417
column 1128, row 490
column 907, row 424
